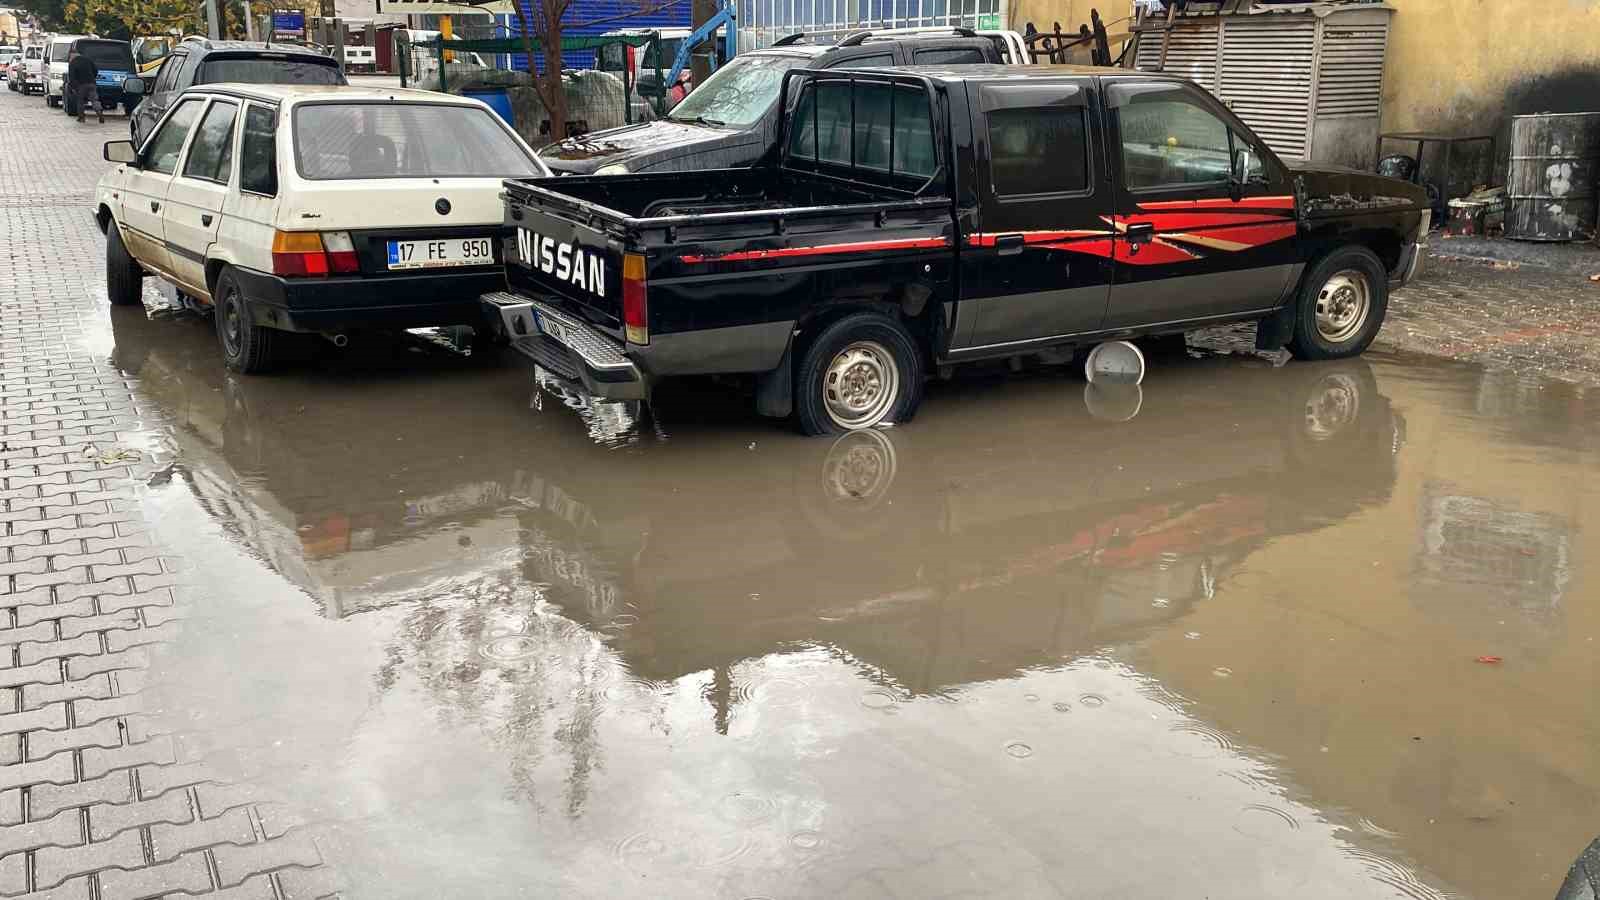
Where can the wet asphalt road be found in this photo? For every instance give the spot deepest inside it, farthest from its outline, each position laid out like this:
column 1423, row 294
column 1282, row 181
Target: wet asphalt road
column 1217, row 637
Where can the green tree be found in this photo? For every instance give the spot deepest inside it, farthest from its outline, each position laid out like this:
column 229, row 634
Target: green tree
column 124, row 19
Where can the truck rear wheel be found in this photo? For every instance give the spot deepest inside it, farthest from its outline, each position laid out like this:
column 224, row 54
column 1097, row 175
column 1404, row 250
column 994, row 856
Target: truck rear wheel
column 861, row 371
column 1341, row 306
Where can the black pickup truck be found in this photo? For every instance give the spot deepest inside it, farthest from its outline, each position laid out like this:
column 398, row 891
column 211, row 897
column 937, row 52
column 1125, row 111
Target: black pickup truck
column 922, row 217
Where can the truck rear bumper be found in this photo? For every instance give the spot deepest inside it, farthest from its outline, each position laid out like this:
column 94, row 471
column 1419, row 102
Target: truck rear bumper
column 566, row 347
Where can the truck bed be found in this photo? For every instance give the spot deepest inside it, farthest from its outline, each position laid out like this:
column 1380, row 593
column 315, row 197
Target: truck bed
column 688, row 194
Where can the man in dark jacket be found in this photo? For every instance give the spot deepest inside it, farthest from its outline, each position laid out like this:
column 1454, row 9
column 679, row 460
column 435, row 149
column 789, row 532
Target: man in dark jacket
column 81, row 73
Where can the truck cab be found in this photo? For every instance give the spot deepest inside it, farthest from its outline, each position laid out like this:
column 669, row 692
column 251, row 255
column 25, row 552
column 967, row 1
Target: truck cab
column 732, row 120
column 925, row 217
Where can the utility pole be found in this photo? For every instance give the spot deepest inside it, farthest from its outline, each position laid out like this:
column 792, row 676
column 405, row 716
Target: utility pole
column 213, row 21
column 249, row 22
column 701, row 12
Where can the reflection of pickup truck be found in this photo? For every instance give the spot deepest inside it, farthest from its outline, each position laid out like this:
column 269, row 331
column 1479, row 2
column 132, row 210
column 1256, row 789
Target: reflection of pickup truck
column 925, row 217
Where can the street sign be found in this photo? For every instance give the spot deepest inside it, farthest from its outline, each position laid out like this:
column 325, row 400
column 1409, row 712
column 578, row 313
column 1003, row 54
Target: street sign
column 288, row 23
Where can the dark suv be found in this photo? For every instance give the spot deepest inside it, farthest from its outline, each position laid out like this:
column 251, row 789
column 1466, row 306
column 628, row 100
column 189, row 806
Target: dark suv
column 732, row 120
column 202, row 61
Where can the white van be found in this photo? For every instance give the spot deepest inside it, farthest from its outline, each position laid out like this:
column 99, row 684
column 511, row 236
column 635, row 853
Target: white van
column 55, row 66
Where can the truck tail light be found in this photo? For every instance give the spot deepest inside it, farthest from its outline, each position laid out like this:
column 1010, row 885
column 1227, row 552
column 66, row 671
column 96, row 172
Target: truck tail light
column 341, row 252
column 298, row 253
column 635, row 307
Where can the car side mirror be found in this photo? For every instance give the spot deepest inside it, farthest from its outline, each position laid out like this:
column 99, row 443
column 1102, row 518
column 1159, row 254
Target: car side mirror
column 121, row 152
column 133, row 86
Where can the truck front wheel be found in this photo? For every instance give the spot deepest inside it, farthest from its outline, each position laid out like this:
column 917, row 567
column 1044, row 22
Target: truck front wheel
column 1341, row 305
column 861, row 371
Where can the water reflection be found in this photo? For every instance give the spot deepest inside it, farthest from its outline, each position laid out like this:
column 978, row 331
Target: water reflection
column 726, row 659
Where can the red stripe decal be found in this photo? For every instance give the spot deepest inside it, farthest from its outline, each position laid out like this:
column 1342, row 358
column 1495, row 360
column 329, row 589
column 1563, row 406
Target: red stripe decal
column 1248, row 203
column 1185, row 221
column 825, row 249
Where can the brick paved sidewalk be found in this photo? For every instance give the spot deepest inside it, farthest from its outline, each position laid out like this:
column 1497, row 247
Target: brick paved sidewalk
column 1528, row 320
column 96, row 799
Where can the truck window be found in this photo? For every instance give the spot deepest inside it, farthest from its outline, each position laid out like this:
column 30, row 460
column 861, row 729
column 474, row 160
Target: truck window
column 948, row 56
column 1040, row 150
column 1168, row 138
column 864, row 125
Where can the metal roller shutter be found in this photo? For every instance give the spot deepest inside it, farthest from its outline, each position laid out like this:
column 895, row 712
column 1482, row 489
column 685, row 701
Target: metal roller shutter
column 1193, row 54
column 1266, row 77
column 1350, row 77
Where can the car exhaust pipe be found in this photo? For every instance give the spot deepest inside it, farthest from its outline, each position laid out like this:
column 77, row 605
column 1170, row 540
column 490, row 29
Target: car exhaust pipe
column 338, row 340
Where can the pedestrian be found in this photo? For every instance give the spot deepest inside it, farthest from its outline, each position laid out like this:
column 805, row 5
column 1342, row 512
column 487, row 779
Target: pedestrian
column 81, row 73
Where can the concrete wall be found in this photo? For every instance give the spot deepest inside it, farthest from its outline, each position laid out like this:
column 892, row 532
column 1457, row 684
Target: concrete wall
column 1461, row 66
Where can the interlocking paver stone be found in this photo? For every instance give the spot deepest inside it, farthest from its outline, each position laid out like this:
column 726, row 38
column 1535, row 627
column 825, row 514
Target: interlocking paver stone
column 173, row 808
column 232, row 827
column 188, row 874
column 53, row 865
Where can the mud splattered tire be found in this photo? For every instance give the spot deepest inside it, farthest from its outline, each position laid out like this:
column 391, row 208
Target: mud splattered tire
column 247, row 348
column 861, row 371
column 124, row 278
column 1341, row 305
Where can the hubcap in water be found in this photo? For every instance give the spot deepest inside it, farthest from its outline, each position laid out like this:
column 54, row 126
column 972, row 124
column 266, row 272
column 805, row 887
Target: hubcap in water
column 1342, row 306
column 860, row 385
column 1331, row 407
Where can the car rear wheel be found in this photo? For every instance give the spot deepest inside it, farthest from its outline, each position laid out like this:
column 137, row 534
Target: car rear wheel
column 861, row 371
column 1341, row 306
column 246, row 347
column 124, row 277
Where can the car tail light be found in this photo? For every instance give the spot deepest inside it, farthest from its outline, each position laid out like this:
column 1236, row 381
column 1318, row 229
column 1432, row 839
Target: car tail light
column 341, row 252
column 635, row 308
column 298, row 253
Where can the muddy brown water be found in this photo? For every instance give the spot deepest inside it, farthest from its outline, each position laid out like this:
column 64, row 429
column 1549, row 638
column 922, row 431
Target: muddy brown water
column 1219, row 636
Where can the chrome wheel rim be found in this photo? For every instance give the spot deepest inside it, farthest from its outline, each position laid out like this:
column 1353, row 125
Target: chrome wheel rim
column 860, row 385
column 1331, row 408
column 1342, row 306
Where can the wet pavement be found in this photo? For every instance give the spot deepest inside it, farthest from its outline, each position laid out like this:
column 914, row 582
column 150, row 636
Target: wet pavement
column 399, row 623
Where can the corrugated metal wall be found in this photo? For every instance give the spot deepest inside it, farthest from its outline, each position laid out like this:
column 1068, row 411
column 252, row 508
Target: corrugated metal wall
column 763, row 21
column 640, row 14
column 1272, row 69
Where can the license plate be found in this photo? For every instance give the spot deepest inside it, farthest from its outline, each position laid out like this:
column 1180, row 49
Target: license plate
column 551, row 327
column 440, row 254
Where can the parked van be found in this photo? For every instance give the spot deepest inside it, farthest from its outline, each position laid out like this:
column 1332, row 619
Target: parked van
column 55, row 67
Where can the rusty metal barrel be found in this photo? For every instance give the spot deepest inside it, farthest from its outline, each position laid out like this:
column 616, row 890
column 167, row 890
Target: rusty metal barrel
column 1555, row 171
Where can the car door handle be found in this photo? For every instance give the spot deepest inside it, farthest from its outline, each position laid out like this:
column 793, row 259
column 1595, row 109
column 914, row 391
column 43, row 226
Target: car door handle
column 1140, row 232
column 154, row 206
column 1009, row 244
column 206, row 221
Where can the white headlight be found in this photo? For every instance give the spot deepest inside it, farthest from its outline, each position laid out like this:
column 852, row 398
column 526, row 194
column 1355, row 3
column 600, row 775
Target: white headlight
column 613, row 169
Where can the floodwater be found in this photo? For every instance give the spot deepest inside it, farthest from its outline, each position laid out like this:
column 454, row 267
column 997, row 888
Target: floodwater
column 1216, row 637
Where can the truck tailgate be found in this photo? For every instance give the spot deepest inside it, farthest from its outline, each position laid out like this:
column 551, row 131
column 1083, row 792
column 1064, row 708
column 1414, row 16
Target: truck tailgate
column 565, row 258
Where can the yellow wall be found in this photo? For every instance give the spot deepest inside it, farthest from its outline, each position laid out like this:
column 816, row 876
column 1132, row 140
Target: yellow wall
column 1456, row 65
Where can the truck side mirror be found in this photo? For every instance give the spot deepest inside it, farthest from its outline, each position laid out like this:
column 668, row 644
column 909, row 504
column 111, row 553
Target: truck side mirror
column 121, row 152
column 133, row 86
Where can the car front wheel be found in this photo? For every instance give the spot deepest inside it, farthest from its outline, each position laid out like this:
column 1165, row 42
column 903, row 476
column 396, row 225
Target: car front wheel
column 1341, row 305
column 124, row 277
column 246, row 346
column 861, row 371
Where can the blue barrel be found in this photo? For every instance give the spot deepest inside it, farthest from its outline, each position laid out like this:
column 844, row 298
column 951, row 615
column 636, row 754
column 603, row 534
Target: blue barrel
column 498, row 99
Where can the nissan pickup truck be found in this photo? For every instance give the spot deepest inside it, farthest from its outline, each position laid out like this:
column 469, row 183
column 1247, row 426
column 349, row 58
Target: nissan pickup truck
column 920, row 218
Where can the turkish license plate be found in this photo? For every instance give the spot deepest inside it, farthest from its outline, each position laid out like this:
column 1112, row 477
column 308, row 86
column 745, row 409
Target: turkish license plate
column 441, row 254
column 551, row 327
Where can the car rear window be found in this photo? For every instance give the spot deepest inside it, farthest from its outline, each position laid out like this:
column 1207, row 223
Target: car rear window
column 108, row 55
column 405, row 140
column 259, row 70
column 864, row 129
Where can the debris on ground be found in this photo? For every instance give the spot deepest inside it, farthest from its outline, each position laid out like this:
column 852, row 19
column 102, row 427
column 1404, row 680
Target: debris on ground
column 110, row 456
column 1491, row 660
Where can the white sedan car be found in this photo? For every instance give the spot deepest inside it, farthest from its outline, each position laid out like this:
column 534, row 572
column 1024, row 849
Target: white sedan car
column 313, row 209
